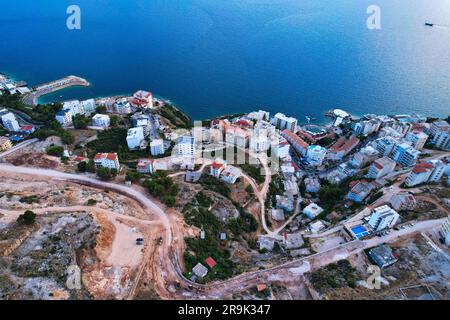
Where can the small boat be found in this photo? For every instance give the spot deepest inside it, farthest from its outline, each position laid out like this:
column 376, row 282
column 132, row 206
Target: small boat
column 429, row 24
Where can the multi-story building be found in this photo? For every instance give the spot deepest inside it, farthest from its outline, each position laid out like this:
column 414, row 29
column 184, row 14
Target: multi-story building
column 381, row 167
column 230, row 174
column 316, row 155
column 237, row 136
column 144, row 166
column 363, row 157
column 259, row 115
column 385, row 145
column 342, row 147
column 405, row 155
column 441, row 140
column 217, row 167
column 122, row 106
column 439, row 169
column 439, row 126
column 296, row 142
column 360, row 190
column 143, row 99
column 135, row 136
column 101, row 120
column 444, row 232
column 403, row 201
column 157, row 147
column 64, row 117
column 9, row 121
column 383, row 217
column 259, row 142
column 5, row 144
column 420, row 174
column 283, row 122
column 107, row 160
column 280, row 147
column 417, row 139
column 312, row 210
column 186, row 146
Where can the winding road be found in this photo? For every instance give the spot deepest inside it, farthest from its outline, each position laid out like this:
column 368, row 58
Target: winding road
column 170, row 265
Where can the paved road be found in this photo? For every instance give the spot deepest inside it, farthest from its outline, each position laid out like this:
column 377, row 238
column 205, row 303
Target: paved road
column 18, row 147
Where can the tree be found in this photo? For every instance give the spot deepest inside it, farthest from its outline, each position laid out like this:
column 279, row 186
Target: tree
column 113, row 120
column 100, row 109
column 27, row 218
column 82, row 166
column 91, row 166
column 170, row 201
column 56, row 151
column 132, row 176
column 80, row 121
column 67, row 137
column 104, row 173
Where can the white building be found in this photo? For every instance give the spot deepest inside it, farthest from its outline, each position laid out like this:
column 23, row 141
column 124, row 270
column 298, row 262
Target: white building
column 259, row 143
column 101, row 120
column 144, row 166
column 403, row 201
column 259, row 115
column 312, row 210
column 143, row 99
column 283, row 122
column 364, row 157
column 64, row 117
column 237, row 136
column 230, row 174
column 417, row 139
column 217, row 168
column 405, row 155
column 445, row 231
column 316, row 155
column 107, row 160
column 135, row 136
column 186, row 146
column 441, row 140
column 439, row 126
column 280, row 148
column 383, row 217
column 381, row 167
column 157, row 147
column 9, row 121
column 122, row 106
column 439, row 170
column 385, row 145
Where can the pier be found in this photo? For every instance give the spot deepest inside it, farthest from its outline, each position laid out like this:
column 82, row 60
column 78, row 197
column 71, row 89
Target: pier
column 53, row 86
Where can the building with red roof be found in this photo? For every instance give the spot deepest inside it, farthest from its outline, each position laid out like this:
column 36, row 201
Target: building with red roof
column 296, row 142
column 107, row 160
column 210, row 262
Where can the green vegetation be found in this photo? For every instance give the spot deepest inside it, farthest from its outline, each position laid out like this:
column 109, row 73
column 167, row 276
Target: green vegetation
column 337, row 275
column 375, row 197
column 132, row 176
column 106, row 174
column 208, row 247
column 276, row 187
column 114, row 140
column 100, row 109
column 162, row 186
column 203, row 199
column 175, row 116
column 56, row 151
column 80, row 121
column 27, row 218
column 254, row 172
column 114, row 120
column 54, row 128
column 325, row 142
column 213, row 184
column 91, row 202
column 331, row 194
column 82, row 166
column 29, row 199
column 39, row 113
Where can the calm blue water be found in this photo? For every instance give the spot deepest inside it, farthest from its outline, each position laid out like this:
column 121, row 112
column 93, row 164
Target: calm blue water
column 212, row 57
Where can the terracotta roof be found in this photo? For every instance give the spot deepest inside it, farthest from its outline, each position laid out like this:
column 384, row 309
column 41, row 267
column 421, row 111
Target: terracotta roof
column 295, row 138
column 217, row 165
column 261, row 287
column 210, row 262
column 26, row 128
column 109, row 156
column 423, row 167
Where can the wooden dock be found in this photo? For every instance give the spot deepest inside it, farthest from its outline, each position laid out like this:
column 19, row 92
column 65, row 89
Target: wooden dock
column 53, row 86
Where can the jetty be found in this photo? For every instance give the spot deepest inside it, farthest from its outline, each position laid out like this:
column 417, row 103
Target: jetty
column 53, row 86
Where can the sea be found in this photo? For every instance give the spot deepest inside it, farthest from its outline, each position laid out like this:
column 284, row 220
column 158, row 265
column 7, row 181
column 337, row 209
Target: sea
column 215, row 57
